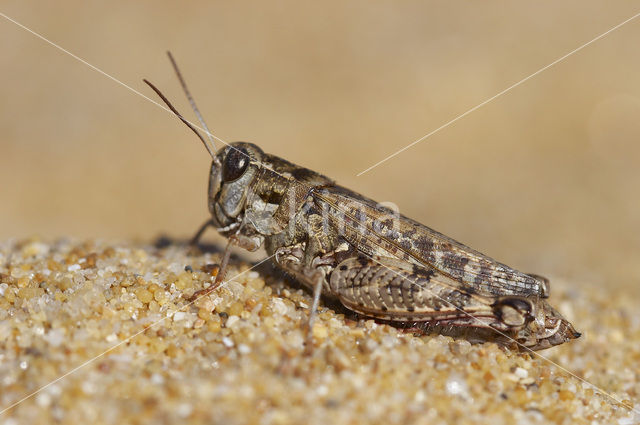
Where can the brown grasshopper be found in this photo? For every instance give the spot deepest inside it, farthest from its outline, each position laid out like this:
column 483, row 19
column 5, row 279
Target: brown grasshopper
column 375, row 261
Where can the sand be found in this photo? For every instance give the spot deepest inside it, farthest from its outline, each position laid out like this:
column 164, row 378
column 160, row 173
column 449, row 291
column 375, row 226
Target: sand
column 102, row 333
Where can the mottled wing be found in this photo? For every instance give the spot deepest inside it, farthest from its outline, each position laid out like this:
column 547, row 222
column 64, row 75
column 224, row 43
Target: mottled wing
column 378, row 231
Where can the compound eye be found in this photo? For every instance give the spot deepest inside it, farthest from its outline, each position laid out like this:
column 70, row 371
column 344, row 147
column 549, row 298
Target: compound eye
column 235, row 164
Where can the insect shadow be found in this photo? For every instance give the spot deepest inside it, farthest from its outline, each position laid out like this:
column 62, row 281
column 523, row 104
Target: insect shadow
column 164, row 241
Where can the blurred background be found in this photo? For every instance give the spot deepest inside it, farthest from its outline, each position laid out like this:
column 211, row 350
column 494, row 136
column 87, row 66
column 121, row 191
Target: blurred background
column 544, row 178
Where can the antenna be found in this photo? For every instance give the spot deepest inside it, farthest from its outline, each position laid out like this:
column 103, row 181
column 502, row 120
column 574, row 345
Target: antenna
column 187, row 123
column 191, row 100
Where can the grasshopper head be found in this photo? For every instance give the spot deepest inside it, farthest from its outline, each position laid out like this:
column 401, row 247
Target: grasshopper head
column 232, row 171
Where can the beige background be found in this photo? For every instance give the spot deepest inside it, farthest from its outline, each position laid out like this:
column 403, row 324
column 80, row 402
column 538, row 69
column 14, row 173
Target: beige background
column 544, row 178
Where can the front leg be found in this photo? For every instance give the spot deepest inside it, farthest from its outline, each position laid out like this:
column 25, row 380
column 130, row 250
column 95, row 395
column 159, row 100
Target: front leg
column 250, row 243
column 196, row 238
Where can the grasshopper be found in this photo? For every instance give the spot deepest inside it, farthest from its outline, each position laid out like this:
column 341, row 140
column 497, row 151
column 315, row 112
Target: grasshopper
column 375, row 261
